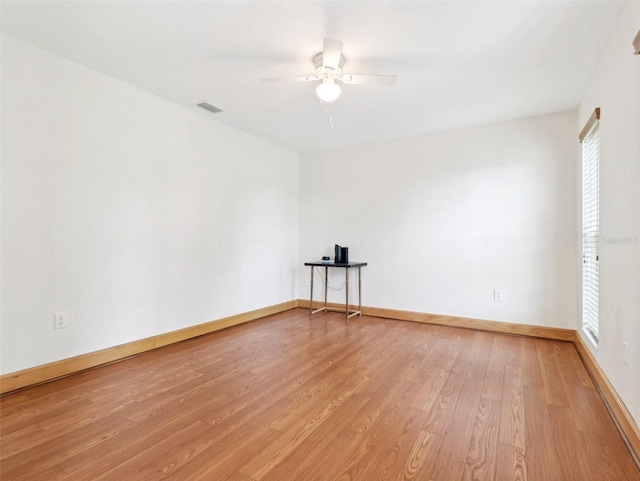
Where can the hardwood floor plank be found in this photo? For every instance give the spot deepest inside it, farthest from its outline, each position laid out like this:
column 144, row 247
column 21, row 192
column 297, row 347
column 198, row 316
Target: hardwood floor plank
column 441, row 367
column 262, row 401
column 602, row 457
column 512, row 418
column 48, row 454
column 453, row 451
column 568, row 354
column 226, row 456
column 396, row 369
column 374, row 356
column 494, row 376
column 317, row 448
column 38, row 411
column 513, row 351
column 8, row 403
column 378, row 459
column 439, row 416
column 422, row 457
column 303, row 403
column 328, row 383
column 380, row 432
column 587, row 408
column 289, row 397
column 512, row 464
column 568, row 445
column 551, row 378
column 237, row 476
column 289, row 441
column 531, row 373
column 321, row 462
column 120, row 461
column 46, row 473
column 478, row 369
column 389, row 389
column 423, row 370
column 110, row 377
column 215, row 455
column 540, row 450
column 482, row 455
column 394, row 460
column 21, row 440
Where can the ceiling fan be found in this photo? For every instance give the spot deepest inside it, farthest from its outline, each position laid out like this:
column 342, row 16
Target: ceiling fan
column 328, row 69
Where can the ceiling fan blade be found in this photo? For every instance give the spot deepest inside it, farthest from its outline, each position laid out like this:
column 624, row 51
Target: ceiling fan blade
column 363, row 79
column 331, row 53
column 289, row 79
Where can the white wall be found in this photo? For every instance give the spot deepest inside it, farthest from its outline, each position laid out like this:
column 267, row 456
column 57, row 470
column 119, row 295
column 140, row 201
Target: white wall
column 616, row 90
column 445, row 219
column 133, row 215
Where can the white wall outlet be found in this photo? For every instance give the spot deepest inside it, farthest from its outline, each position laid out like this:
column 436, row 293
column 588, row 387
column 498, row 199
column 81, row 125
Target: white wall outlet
column 60, row 320
column 625, row 353
column 497, row 294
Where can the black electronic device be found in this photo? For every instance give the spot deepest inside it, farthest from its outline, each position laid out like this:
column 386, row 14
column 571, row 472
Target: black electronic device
column 342, row 255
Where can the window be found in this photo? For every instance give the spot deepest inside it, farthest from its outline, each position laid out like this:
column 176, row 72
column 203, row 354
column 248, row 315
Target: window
column 590, row 139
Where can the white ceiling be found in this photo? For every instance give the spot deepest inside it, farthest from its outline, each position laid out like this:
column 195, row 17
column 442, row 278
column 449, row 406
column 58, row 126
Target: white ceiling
column 458, row 63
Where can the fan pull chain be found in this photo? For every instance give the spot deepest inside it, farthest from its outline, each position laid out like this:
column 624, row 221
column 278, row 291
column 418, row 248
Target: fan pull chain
column 327, row 111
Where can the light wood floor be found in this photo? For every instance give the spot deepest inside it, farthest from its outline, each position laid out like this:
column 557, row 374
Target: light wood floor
column 288, row 398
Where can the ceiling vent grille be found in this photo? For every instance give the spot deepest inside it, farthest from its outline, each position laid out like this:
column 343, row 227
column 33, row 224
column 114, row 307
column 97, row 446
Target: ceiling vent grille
column 211, row 108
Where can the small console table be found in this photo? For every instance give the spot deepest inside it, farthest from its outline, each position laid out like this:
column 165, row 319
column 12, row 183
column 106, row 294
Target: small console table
column 347, row 266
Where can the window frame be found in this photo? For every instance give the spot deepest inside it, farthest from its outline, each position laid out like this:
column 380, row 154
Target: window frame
column 590, row 275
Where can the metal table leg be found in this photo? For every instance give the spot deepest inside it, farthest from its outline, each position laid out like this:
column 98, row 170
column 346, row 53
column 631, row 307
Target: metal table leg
column 346, row 302
column 326, row 285
column 359, row 293
column 311, row 294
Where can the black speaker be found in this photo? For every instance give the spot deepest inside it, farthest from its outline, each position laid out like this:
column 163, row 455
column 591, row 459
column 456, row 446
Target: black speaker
column 342, row 255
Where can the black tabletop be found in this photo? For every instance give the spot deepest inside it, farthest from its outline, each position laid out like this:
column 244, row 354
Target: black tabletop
column 333, row 264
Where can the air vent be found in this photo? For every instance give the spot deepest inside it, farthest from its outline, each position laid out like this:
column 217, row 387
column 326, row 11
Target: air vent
column 211, row 108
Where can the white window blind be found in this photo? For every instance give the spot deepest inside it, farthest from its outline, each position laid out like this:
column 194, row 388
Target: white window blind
column 591, row 229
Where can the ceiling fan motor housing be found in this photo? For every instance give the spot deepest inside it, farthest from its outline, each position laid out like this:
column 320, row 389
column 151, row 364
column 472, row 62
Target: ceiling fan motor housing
column 323, row 72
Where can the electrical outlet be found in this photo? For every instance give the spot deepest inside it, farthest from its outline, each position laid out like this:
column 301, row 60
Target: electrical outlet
column 60, row 320
column 625, row 353
column 497, row 294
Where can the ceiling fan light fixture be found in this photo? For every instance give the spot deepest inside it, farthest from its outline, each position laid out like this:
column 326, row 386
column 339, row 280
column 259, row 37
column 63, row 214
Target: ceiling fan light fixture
column 328, row 90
